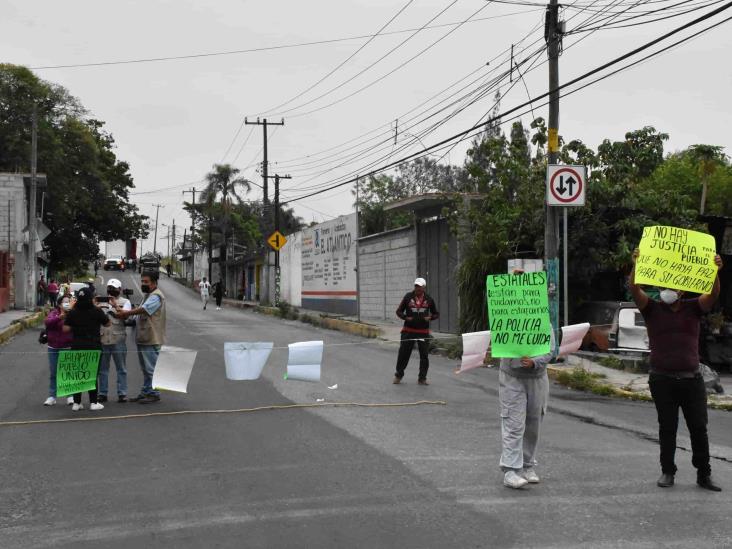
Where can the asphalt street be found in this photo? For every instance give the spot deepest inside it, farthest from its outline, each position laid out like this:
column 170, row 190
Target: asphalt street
column 331, row 477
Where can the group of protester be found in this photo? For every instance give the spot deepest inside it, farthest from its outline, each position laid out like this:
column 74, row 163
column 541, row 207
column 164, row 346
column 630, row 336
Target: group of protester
column 675, row 380
column 85, row 321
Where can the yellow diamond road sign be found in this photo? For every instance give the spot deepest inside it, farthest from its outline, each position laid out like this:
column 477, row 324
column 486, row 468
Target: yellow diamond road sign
column 276, row 240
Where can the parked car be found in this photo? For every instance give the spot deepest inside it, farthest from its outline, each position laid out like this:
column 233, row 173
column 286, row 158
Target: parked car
column 76, row 286
column 613, row 325
column 114, row 263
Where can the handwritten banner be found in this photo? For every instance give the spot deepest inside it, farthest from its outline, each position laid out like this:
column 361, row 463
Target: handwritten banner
column 676, row 258
column 76, row 371
column 518, row 307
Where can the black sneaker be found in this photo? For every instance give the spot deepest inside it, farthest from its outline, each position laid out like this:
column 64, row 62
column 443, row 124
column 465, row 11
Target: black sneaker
column 149, row 399
column 102, row 398
column 122, row 398
column 137, row 398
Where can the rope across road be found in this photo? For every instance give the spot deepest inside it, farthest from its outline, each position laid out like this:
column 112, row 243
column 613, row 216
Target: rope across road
column 231, row 411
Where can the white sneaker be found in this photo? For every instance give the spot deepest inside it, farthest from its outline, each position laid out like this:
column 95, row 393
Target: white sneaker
column 530, row 475
column 513, row 480
column 76, row 407
column 94, row 406
column 69, row 401
column 50, row 401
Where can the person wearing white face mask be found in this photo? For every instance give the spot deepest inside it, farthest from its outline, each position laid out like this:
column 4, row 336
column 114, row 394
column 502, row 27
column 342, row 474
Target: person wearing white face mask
column 675, row 380
column 57, row 341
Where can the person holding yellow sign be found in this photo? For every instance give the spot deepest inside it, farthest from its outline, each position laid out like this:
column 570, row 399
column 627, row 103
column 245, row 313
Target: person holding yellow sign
column 675, row 381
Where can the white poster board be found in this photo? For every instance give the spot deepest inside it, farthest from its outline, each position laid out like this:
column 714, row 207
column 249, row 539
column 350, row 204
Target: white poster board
column 245, row 360
column 173, row 369
column 304, row 359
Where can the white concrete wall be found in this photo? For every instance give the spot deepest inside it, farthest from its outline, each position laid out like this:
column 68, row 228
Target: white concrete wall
column 291, row 270
column 12, row 189
column 387, row 269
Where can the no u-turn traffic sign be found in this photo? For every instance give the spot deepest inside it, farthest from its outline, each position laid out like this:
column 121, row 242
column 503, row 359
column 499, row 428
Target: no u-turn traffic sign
column 565, row 185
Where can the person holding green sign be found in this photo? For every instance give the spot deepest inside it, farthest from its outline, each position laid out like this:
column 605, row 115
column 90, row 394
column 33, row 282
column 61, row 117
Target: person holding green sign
column 523, row 386
column 675, row 381
column 85, row 321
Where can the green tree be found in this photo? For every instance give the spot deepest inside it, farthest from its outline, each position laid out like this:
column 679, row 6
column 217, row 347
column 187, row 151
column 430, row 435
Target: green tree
column 88, row 187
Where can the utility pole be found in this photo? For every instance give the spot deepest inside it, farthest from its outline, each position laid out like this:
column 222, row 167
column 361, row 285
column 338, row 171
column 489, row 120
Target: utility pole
column 155, row 240
column 277, row 178
column 358, row 273
column 553, row 36
column 32, row 260
column 193, row 234
column 264, row 123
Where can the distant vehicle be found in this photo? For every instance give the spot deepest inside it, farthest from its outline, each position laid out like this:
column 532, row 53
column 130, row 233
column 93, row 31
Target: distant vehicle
column 613, row 325
column 149, row 262
column 115, row 263
column 76, row 286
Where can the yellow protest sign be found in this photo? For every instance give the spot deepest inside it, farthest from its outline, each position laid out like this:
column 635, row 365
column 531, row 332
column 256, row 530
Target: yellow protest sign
column 676, row 258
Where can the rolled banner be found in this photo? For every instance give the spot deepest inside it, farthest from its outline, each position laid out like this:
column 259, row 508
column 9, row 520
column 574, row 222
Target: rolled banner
column 304, row 359
column 245, row 360
column 475, row 346
column 173, row 369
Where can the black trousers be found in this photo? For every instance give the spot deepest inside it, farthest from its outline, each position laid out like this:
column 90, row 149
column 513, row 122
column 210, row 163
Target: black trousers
column 405, row 351
column 670, row 394
column 218, row 300
column 92, row 397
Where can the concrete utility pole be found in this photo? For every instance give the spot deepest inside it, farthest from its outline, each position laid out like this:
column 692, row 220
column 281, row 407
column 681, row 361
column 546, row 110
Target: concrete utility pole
column 358, row 273
column 277, row 178
column 155, row 240
column 32, row 260
column 265, row 178
column 193, row 234
column 553, row 36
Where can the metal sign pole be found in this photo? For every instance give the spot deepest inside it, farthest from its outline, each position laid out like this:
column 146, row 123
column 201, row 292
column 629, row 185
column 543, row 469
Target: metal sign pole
column 566, row 270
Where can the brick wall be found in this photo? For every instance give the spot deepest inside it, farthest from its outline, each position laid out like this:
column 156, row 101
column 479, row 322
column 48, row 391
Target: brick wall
column 387, row 269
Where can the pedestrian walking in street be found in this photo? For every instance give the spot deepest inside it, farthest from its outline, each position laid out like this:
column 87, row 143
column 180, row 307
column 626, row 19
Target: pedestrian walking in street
column 84, row 321
column 96, row 267
column 53, row 292
column 417, row 309
column 675, row 380
column 150, row 333
column 204, row 287
column 218, row 291
column 114, row 344
column 168, row 269
column 58, row 340
column 523, row 393
column 41, row 290
column 90, row 285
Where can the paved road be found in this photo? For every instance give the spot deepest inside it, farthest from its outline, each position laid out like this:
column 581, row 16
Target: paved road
column 420, row 476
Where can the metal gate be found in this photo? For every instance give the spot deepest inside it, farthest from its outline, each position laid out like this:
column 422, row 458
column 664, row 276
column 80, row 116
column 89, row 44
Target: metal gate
column 437, row 260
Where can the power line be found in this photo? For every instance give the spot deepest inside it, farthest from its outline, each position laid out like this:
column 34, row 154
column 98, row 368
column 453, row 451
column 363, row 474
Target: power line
column 342, row 63
column 588, row 74
column 264, row 48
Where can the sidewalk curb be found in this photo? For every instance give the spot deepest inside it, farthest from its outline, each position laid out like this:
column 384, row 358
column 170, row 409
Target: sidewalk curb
column 17, row 326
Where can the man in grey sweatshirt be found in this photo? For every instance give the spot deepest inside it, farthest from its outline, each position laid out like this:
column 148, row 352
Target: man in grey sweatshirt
column 523, row 390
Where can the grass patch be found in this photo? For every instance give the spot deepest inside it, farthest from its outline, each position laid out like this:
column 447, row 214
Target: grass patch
column 623, row 364
column 583, row 380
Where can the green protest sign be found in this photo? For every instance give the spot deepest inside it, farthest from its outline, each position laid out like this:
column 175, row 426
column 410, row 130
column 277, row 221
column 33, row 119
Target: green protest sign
column 518, row 308
column 76, row 371
column 676, row 258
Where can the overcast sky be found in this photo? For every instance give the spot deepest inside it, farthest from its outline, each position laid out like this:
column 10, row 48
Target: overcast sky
column 172, row 120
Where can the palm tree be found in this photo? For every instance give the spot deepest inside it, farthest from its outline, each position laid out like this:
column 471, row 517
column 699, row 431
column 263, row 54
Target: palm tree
column 223, row 182
column 709, row 157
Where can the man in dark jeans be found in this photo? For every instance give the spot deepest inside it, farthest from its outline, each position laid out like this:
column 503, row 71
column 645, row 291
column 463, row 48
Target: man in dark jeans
column 675, row 380
column 416, row 309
